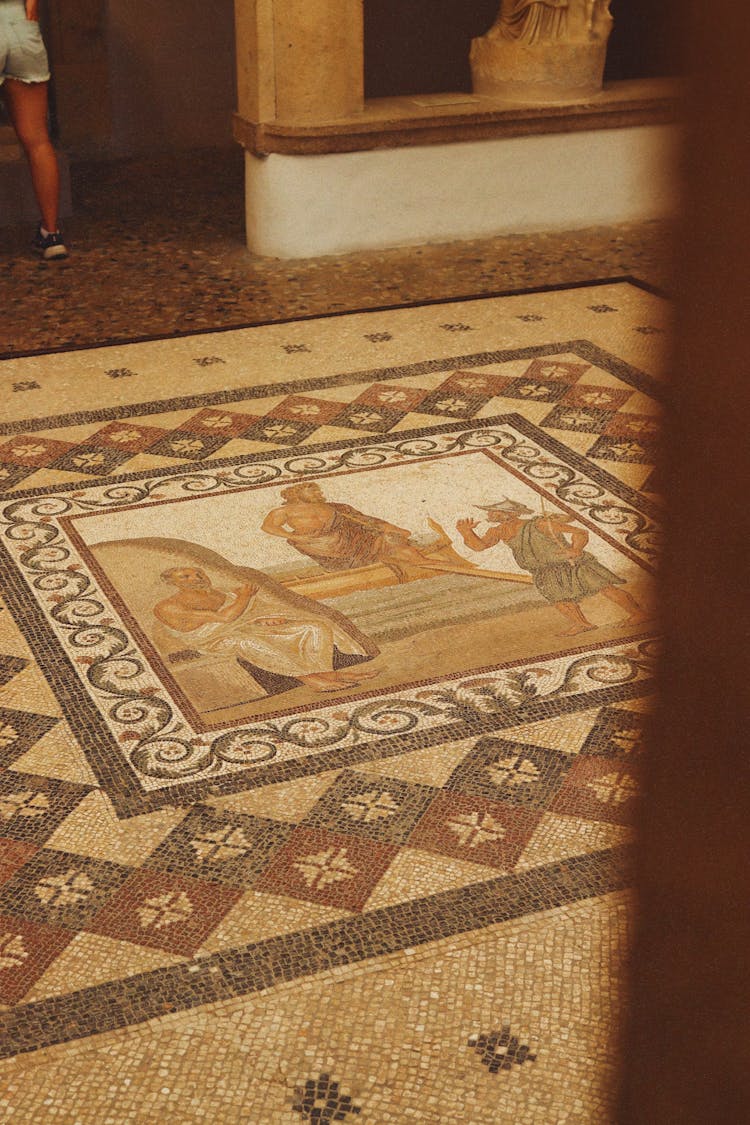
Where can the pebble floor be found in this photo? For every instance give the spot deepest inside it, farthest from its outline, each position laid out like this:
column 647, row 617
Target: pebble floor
column 157, row 246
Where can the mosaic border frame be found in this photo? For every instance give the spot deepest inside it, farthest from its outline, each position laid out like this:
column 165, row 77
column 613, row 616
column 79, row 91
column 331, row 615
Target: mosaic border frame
column 117, row 778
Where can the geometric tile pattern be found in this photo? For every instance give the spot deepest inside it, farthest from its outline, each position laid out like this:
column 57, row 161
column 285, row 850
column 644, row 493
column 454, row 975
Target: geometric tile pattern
column 476, row 830
column 27, row 949
column 19, row 731
column 615, row 733
column 576, row 406
column 380, row 808
column 327, row 867
column 32, row 808
column 61, row 890
column 10, row 666
column 165, row 911
column 464, row 820
column 599, row 788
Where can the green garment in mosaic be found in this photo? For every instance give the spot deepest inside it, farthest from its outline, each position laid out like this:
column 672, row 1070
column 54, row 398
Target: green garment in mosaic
column 557, row 577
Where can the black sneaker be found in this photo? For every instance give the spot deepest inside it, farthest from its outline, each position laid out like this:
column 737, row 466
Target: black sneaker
column 50, row 246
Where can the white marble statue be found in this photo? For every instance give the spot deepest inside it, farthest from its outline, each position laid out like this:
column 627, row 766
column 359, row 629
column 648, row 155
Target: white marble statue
column 532, row 21
column 543, row 50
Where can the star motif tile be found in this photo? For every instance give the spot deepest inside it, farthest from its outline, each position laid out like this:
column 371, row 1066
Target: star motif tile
column 476, row 383
column 32, row 807
column 165, row 911
column 643, row 427
column 534, row 390
column 299, row 408
column 61, row 890
column 92, row 460
column 391, row 396
column 12, row 475
column 450, row 403
column 594, row 397
column 10, row 666
column 599, row 788
column 631, row 450
column 577, row 418
column 475, row 829
column 188, row 445
column 28, row 451
column 615, row 733
column 19, row 731
column 550, row 369
column 281, row 431
column 224, row 423
column 327, row 867
column 27, row 949
column 375, row 808
column 227, row 848
column 14, row 854
column 503, row 770
column 363, row 416
column 129, row 436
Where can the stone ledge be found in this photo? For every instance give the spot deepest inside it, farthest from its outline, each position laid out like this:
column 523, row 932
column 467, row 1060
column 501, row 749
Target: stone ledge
column 447, row 118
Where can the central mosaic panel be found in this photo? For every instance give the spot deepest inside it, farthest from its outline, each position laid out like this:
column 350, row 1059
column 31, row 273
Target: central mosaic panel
column 258, row 620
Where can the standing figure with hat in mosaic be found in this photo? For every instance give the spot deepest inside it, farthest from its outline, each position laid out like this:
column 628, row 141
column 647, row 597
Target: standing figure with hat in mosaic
column 553, row 552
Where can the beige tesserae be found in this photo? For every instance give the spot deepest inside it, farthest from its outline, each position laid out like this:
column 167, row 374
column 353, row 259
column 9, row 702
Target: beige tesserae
column 326, row 651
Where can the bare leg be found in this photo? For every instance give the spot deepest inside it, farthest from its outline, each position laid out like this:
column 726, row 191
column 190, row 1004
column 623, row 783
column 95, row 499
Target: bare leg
column 573, row 612
column 626, row 601
column 27, row 105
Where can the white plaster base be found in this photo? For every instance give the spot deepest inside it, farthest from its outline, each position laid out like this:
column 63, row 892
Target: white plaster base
column 304, row 206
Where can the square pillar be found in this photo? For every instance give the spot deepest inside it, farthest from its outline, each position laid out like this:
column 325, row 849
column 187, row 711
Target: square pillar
column 299, row 61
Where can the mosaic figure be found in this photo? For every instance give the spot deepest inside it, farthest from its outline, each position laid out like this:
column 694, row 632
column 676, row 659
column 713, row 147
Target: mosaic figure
column 337, row 536
column 553, row 552
column 280, row 645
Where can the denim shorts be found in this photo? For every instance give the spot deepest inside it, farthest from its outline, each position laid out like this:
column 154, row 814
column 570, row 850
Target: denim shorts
column 22, row 52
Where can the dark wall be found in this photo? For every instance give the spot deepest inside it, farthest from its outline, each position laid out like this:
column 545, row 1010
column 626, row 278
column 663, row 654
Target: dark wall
column 422, row 46
column 644, row 40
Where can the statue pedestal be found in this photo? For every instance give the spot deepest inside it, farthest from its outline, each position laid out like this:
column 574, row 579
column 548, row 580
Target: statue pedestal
column 538, row 73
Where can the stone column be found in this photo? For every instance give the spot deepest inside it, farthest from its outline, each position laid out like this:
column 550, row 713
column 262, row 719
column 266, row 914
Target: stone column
column 543, row 51
column 300, row 61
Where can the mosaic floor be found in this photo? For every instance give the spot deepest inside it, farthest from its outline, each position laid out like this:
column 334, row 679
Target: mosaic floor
column 323, row 678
